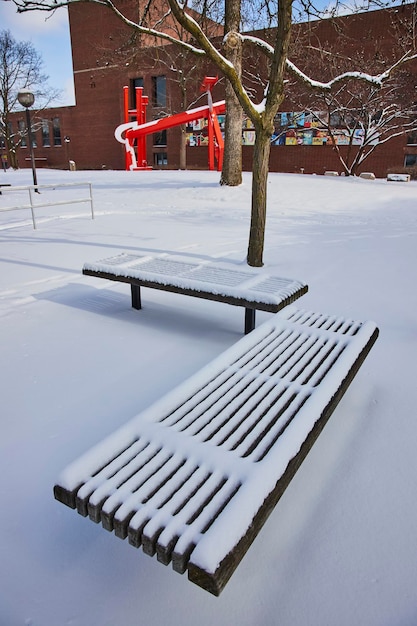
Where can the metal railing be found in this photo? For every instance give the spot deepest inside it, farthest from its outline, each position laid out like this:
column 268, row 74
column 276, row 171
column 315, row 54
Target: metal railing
column 35, row 204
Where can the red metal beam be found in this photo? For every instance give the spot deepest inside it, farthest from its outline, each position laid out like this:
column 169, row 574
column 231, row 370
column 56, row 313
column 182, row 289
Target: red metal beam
column 176, row 120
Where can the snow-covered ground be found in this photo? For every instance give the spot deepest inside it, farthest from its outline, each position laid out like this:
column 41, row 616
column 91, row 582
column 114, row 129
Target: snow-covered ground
column 77, row 362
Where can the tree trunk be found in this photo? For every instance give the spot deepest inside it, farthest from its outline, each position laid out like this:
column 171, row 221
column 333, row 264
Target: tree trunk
column 10, row 149
column 259, row 187
column 232, row 159
column 183, row 149
column 264, row 127
column 13, row 160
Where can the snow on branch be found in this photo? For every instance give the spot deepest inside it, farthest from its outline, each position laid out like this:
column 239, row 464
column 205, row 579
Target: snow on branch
column 377, row 80
column 259, row 43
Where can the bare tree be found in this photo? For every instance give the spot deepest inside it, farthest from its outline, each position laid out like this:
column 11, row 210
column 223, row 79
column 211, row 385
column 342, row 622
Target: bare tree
column 357, row 117
column 357, row 124
column 20, row 68
column 261, row 113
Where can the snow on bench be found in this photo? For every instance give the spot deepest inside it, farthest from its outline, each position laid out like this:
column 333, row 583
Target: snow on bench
column 367, row 175
column 252, row 288
column 402, row 178
column 194, row 477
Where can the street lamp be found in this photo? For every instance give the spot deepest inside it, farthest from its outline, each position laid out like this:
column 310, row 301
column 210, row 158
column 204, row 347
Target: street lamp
column 26, row 99
column 67, row 141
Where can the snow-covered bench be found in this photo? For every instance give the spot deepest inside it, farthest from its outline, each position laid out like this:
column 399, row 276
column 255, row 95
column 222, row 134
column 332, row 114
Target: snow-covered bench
column 402, row 178
column 194, row 477
column 252, row 288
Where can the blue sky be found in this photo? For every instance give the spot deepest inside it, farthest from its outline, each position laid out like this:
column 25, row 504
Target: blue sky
column 50, row 36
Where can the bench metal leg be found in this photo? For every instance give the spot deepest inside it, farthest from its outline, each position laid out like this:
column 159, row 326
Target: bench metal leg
column 136, row 301
column 249, row 320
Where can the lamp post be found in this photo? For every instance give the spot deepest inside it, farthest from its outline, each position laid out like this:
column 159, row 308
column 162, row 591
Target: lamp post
column 67, row 141
column 26, row 99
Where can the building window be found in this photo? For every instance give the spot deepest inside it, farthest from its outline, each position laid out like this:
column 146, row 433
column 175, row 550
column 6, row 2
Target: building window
column 160, row 158
column 160, row 138
column 46, row 139
column 56, row 131
column 136, row 82
column 412, row 138
column 410, row 160
column 22, row 132
column 159, row 92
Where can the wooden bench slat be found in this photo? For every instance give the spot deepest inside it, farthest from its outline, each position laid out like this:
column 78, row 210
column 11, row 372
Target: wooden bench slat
column 193, row 478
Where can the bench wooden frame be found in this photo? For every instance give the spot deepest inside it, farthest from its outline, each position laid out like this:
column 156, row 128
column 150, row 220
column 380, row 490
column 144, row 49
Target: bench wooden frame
column 252, row 288
column 194, row 477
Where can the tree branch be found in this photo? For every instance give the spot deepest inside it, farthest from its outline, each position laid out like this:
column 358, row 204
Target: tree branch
column 377, row 80
column 214, row 55
column 24, row 6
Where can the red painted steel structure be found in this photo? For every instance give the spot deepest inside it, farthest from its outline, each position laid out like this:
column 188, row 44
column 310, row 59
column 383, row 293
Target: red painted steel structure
column 135, row 131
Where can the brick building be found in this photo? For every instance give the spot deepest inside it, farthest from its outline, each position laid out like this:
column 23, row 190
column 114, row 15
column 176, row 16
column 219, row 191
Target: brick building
column 107, row 56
